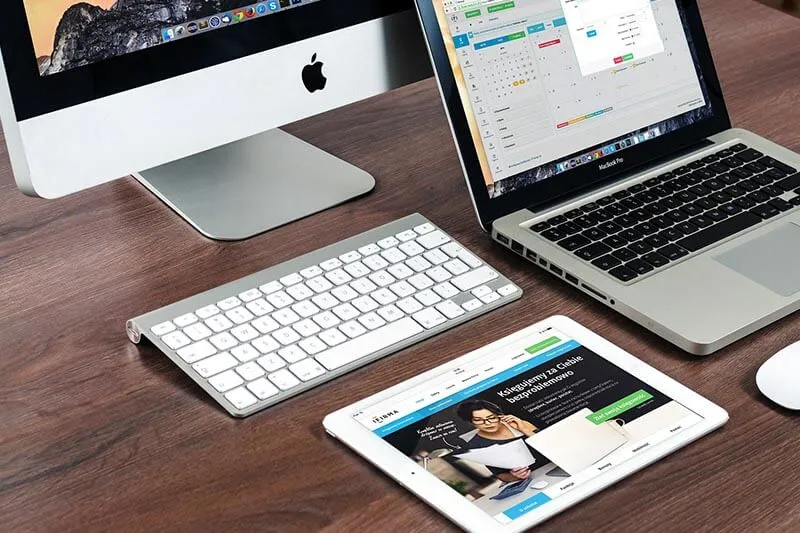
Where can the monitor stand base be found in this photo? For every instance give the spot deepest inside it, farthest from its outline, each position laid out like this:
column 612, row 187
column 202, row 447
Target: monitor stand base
column 254, row 185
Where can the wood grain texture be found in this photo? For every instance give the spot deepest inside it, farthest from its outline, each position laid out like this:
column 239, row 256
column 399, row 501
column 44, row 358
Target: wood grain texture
column 98, row 434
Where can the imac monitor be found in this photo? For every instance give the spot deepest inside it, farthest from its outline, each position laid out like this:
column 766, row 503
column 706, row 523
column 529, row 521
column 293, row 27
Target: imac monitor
column 90, row 92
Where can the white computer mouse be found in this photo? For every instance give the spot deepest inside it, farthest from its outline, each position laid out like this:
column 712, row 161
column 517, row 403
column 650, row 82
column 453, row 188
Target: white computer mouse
column 538, row 485
column 779, row 378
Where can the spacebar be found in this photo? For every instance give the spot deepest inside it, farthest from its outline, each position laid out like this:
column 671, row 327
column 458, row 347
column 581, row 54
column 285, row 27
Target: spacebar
column 723, row 230
column 369, row 343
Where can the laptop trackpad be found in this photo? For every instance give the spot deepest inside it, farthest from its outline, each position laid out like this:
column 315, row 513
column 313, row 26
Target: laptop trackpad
column 772, row 260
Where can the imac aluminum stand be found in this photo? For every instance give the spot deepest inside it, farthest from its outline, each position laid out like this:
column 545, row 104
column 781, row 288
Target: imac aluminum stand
column 251, row 186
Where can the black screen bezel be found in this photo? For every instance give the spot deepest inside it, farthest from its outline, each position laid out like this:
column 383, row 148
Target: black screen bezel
column 35, row 95
column 583, row 177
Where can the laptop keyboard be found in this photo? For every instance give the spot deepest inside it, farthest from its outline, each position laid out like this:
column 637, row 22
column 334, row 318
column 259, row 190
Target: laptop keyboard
column 647, row 226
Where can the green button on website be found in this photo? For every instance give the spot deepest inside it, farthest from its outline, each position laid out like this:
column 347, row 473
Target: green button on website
column 620, row 406
column 542, row 345
column 500, row 7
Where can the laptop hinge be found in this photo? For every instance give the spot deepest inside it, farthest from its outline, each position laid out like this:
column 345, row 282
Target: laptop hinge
column 552, row 202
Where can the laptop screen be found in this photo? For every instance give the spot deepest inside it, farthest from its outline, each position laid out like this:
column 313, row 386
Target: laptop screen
column 552, row 85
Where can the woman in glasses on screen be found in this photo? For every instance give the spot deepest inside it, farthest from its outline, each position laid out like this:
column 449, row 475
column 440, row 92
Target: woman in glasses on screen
column 495, row 427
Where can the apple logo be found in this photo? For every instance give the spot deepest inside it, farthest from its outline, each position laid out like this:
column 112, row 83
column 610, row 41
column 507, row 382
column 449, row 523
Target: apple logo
column 313, row 78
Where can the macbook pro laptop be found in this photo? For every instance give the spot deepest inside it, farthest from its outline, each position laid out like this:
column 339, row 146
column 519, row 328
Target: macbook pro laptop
column 596, row 143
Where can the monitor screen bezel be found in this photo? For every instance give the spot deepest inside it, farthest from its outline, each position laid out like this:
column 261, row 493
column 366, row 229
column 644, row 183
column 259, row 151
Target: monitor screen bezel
column 580, row 178
column 35, row 95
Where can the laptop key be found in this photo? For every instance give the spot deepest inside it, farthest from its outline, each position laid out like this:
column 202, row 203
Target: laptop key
column 584, row 222
column 744, row 203
column 681, row 170
column 639, row 266
column 641, row 215
column 605, row 200
column 594, row 234
column 661, row 222
column 738, row 147
column 755, row 167
column 574, row 242
column 646, row 228
column 610, row 228
column 672, row 252
column 716, row 215
column 553, row 235
column 795, row 201
column 557, row 220
column 623, row 273
column 774, row 163
column 624, row 254
column 540, row 227
column 790, row 183
column 573, row 213
column 730, row 209
column 656, row 241
column 706, row 203
column 749, row 155
column 593, row 251
column 727, row 152
column 718, row 168
column 718, row 232
column 701, row 221
column 625, row 221
column 671, row 234
column 758, row 196
column 765, row 211
column 772, row 190
column 656, row 259
column 762, row 179
column 588, row 208
column 677, row 215
column 568, row 228
column 606, row 262
column 696, row 164
column 780, row 204
column 640, row 247
column 691, row 210
column 687, row 227
column 615, row 241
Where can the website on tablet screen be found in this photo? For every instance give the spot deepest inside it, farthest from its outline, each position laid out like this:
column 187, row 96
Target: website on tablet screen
column 521, row 426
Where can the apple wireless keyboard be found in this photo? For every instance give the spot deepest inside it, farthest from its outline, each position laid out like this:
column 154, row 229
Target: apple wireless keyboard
column 272, row 335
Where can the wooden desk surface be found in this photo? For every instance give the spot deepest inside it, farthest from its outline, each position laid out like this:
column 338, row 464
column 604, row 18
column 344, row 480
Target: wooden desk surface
column 96, row 433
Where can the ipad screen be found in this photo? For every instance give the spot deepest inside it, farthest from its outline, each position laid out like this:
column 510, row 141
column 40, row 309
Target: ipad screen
column 516, row 428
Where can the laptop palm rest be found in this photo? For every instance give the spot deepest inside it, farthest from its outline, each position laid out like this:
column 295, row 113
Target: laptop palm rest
column 772, row 261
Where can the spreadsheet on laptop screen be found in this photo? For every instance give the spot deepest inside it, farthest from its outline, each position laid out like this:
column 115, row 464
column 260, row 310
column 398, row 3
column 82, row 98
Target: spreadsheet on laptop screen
column 549, row 85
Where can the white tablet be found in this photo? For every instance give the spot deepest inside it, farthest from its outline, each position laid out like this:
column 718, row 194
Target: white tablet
column 507, row 436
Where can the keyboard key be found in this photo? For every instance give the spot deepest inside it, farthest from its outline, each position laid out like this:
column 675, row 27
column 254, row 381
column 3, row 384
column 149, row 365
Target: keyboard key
column 701, row 221
column 420, row 264
column 640, row 247
column 307, row 370
column 240, row 398
column 365, row 304
column 369, row 343
column 395, row 255
column 615, row 241
column 470, row 280
column 163, row 328
column 591, row 252
column 553, row 235
column 271, row 362
column 215, row 364
column 436, row 257
column 283, row 379
column 196, row 352
column 429, row 318
column 352, row 329
column 286, row 317
column 344, row 293
column 409, row 305
column 292, row 354
column 374, row 321
column 639, row 266
column 388, row 242
column 624, row 254
column 606, row 262
column 411, row 249
column 790, row 183
column 433, row 240
column 574, row 242
column 313, row 345
column 226, row 381
column 557, row 220
column 656, row 259
column 280, row 299
column 198, row 331
column 239, row 315
column 332, row 337
column 300, row 292
column 439, row 274
column 687, row 228
column 489, row 298
column 223, row 341
column 623, row 273
column 306, row 328
column 540, row 227
column 672, row 252
column 507, row 290
column 229, row 303
column 263, row 389
column 338, row 277
column 424, row 228
column 244, row 333
column 427, row 298
column 719, row 231
column 390, row 313
column 656, row 241
column 266, row 344
column 445, row 290
column 185, row 320
column 285, row 336
column 421, row 281
column 765, row 211
column 259, row 307
column 716, row 215
column 780, row 204
column 176, row 340
column 568, row 228
column 245, row 353
column 594, row 234
column 472, row 305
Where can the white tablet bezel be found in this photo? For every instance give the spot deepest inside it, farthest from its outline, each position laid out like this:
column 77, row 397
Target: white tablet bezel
column 444, row 499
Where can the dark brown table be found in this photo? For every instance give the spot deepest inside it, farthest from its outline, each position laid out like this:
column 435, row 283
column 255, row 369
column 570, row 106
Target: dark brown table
column 98, row 434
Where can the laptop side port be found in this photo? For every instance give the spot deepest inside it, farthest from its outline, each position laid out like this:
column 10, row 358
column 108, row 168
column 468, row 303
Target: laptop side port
column 594, row 291
column 572, row 279
column 531, row 255
column 517, row 247
column 557, row 271
column 503, row 239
